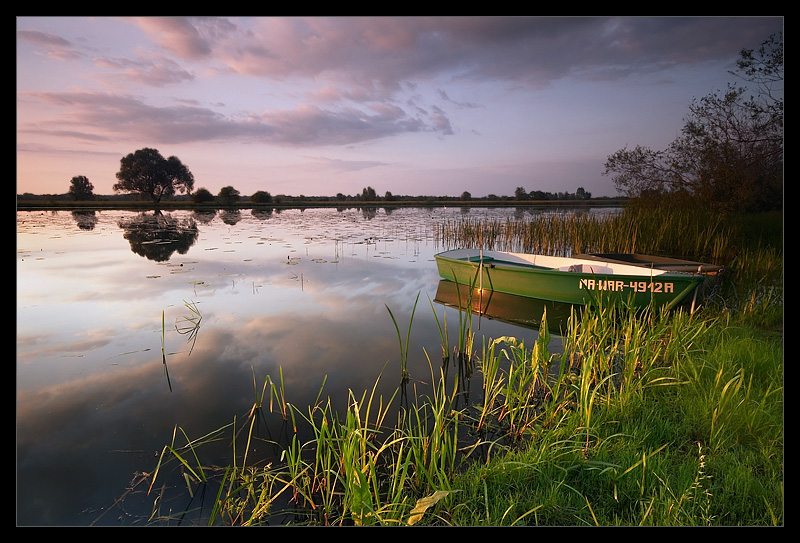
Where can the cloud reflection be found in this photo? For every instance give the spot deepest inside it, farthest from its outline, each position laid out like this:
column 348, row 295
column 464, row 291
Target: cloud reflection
column 303, row 292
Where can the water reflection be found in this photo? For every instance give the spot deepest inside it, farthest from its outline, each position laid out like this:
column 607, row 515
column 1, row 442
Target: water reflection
column 302, row 291
column 508, row 308
column 156, row 236
column 86, row 220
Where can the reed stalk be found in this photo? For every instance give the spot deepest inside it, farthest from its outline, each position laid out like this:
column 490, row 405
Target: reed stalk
column 404, row 347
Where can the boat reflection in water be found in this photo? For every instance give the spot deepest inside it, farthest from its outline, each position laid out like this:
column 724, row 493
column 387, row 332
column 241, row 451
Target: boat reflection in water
column 509, row 308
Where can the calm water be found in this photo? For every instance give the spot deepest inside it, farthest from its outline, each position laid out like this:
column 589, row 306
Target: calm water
column 305, row 291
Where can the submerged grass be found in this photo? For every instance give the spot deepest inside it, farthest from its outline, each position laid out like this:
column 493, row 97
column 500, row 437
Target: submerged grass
column 643, row 418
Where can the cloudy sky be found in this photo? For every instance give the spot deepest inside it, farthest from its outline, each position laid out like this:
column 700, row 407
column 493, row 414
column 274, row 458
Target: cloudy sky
column 319, row 106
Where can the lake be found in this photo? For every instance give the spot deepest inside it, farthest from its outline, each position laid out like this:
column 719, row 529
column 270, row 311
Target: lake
column 302, row 292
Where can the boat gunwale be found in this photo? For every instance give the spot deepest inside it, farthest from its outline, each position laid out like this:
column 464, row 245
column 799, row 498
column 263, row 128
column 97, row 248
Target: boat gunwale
column 511, row 260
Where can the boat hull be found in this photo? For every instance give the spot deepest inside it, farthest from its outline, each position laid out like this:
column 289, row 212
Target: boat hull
column 590, row 282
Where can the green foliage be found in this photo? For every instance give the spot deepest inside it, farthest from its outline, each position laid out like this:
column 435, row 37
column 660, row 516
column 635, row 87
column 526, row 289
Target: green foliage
column 693, row 438
column 664, row 419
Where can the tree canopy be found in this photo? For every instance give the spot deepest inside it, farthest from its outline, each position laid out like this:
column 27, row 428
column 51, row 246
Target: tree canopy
column 729, row 154
column 228, row 195
column 148, row 173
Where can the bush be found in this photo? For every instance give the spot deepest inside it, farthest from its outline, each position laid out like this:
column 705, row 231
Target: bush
column 202, row 196
column 261, row 197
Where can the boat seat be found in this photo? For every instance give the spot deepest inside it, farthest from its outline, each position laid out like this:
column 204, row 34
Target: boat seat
column 478, row 258
column 587, row 268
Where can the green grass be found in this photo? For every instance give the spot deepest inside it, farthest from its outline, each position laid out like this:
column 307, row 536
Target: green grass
column 697, row 439
column 643, row 419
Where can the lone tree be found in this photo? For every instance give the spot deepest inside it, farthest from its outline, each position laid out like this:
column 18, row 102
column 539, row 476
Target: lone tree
column 730, row 152
column 150, row 174
column 368, row 195
column 81, row 189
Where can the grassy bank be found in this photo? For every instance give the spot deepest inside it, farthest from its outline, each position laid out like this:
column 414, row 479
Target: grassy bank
column 671, row 419
column 693, row 438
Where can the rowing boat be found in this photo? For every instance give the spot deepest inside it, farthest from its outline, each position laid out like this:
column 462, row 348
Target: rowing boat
column 565, row 279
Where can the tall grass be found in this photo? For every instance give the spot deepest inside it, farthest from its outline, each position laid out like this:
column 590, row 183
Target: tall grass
column 642, row 418
column 635, row 230
column 686, row 434
column 647, row 407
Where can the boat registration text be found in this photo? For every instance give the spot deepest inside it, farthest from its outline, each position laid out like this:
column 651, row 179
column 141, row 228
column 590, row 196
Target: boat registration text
column 620, row 286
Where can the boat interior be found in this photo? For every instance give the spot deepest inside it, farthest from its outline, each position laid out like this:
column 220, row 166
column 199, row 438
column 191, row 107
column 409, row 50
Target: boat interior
column 544, row 262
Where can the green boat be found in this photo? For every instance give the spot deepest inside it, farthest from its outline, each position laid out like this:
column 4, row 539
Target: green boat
column 568, row 280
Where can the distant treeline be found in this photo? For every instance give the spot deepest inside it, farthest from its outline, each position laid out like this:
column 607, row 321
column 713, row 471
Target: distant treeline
column 536, row 196
column 133, row 201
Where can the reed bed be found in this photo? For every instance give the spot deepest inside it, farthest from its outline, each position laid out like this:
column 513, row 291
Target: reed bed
column 633, row 423
column 642, row 417
column 642, row 230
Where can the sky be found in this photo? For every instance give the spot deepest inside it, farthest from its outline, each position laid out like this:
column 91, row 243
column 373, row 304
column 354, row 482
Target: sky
column 318, row 106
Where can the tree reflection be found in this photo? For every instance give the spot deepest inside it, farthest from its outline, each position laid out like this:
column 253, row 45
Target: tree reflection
column 262, row 213
column 205, row 216
column 158, row 235
column 86, row 220
column 230, row 216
